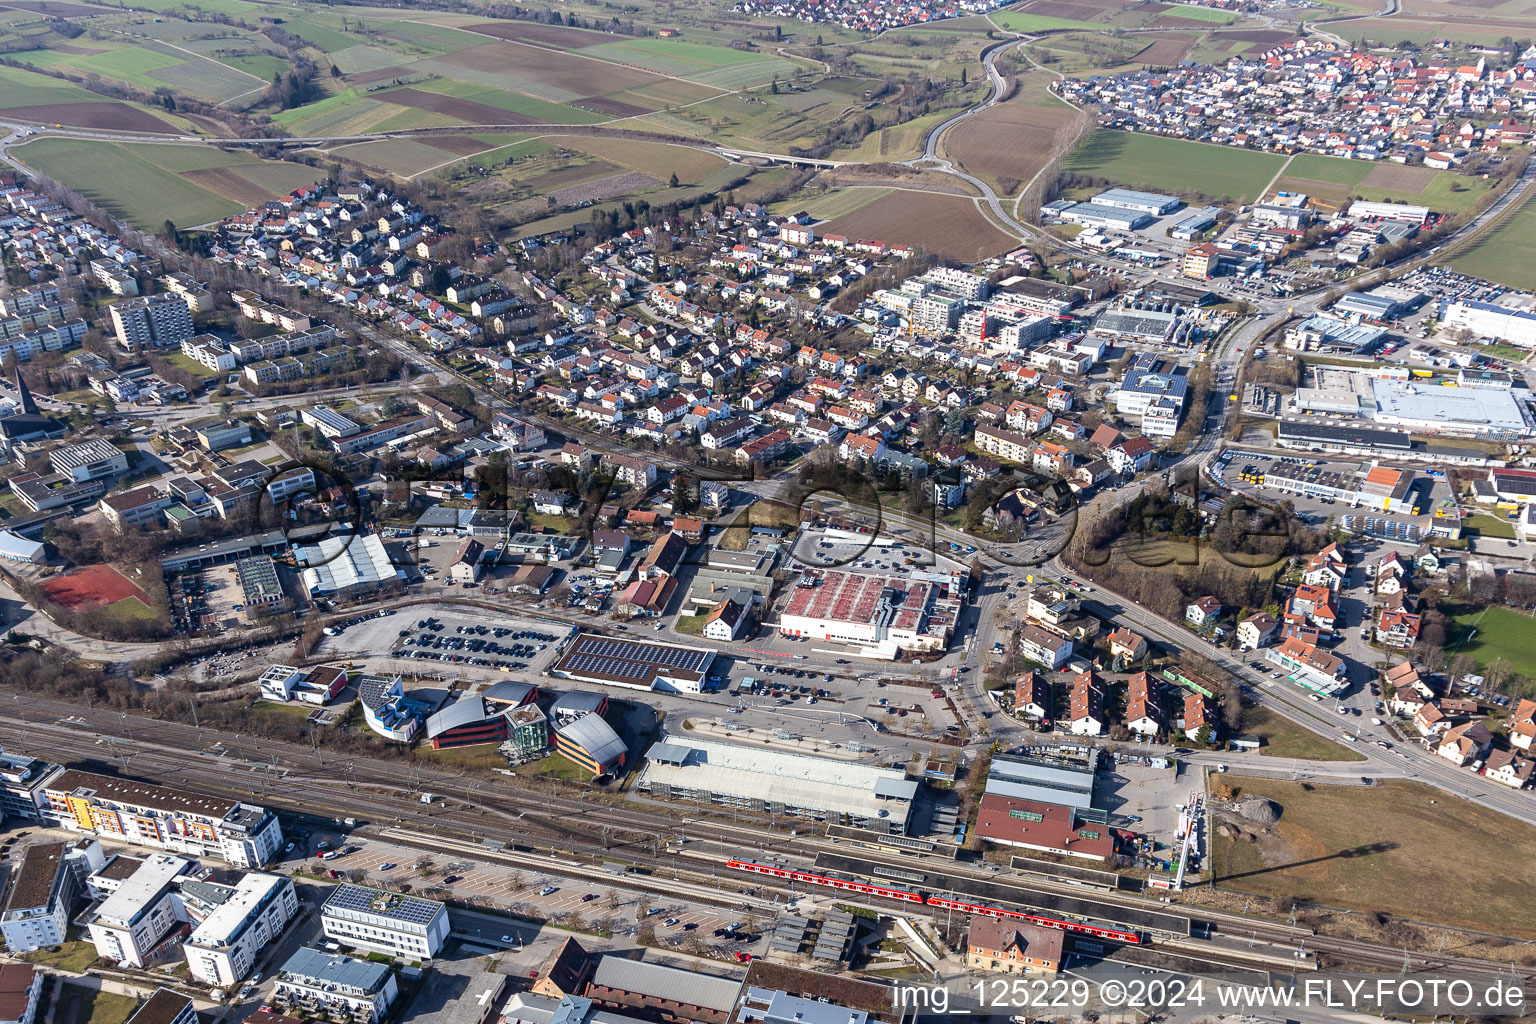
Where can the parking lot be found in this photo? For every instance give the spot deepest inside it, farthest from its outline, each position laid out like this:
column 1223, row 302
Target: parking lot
column 416, row 638
column 576, row 902
column 495, row 647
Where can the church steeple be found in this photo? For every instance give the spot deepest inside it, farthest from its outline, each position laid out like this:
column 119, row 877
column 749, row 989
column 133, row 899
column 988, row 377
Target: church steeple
column 24, row 395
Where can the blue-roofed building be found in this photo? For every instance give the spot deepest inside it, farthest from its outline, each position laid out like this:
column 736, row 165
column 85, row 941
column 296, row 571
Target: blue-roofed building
column 317, row 984
column 385, row 922
column 387, row 710
column 1151, row 380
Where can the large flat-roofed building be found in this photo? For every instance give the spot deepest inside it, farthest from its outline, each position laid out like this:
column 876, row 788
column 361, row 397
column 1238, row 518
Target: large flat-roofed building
column 1152, row 325
column 223, row 948
column 318, row 984
column 1388, row 211
column 1368, row 305
column 1102, row 215
column 635, row 664
column 345, row 565
column 1486, row 320
column 385, row 922
column 1331, row 334
column 775, row 783
column 1147, row 202
column 1434, row 409
column 1052, row 782
column 1049, row 828
column 885, row 614
column 42, row 892
column 132, row 921
column 1341, row 437
column 160, row 817
column 657, row 992
column 89, row 460
column 22, row 779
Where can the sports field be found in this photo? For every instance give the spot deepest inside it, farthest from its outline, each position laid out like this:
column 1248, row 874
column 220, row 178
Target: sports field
column 1174, row 166
column 1353, row 846
column 93, row 585
column 146, row 184
column 1497, row 633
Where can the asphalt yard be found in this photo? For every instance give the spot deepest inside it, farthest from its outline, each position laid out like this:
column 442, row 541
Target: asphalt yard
column 584, row 904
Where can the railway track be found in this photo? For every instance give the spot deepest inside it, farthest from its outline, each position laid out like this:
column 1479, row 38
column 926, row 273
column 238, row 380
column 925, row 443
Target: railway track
column 303, row 780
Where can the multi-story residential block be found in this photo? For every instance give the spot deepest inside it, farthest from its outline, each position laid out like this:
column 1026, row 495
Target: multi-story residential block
column 42, row 894
column 209, row 351
column 159, row 817
column 223, row 948
column 155, row 321
column 328, row 984
column 1005, row 444
column 385, row 922
column 132, row 921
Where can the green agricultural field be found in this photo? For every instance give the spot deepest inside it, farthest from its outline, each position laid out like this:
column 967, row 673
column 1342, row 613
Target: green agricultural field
column 148, row 184
column 22, row 88
column 833, row 204
column 1328, row 168
column 1498, row 633
column 1023, row 21
column 1192, row 13
column 719, row 66
column 327, row 40
column 1506, row 255
column 1175, row 166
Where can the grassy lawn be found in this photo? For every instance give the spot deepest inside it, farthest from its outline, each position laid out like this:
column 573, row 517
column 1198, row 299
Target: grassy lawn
column 692, row 625
column 1490, row 526
column 557, row 765
column 1499, row 633
column 132, row 608
column 482, row 755
column 1351, row 846
column 1151, row 162
column 77, row 1004
column 72, row 956
column 272, row 707
column 1284, row 738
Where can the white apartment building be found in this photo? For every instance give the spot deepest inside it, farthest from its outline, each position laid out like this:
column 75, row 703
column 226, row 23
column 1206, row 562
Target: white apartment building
column 385, row 922
column 223, row 949
column 132, row 921
column 244, row 835
column 313, row 983
column 156, row 321
column 37, row 906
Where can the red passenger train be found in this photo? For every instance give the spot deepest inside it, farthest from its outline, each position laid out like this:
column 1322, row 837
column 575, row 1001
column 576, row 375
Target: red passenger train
column 907, row 896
